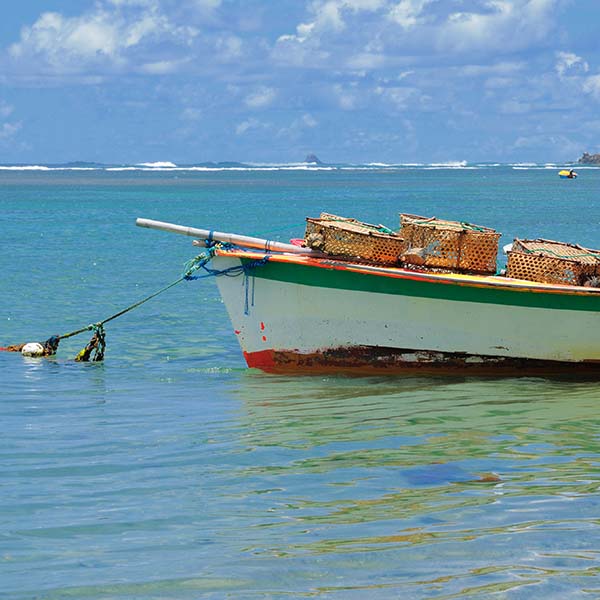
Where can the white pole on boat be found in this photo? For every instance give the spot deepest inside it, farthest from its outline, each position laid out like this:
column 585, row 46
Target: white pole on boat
column 219, row 236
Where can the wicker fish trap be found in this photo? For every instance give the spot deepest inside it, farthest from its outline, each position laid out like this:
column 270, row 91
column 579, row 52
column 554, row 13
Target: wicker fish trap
column 451, row 244
column 546, row 261
column 349, row 238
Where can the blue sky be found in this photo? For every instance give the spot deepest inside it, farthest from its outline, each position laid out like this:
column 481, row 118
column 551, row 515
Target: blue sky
column 270, row 81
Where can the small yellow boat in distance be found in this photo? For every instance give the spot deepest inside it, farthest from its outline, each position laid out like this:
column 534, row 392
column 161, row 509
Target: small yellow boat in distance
column 567, row 174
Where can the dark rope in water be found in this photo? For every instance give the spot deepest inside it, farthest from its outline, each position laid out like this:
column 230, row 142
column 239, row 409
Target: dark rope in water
column 97, row 344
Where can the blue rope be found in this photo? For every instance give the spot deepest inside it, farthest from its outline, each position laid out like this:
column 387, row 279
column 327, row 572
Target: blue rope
column 247, row 270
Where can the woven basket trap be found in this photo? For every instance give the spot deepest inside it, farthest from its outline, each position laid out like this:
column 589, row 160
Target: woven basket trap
column 543, row 269
column 351, row 238
column 546, row 261
column 451, row 244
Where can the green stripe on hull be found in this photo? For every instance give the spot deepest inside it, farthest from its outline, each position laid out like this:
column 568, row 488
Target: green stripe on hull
column 456, row 291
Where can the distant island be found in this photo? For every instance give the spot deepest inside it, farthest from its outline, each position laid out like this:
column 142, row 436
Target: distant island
column 589, row 159
column 312, row 159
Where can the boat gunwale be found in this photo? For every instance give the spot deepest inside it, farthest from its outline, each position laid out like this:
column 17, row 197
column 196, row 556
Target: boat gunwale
column 461, row 279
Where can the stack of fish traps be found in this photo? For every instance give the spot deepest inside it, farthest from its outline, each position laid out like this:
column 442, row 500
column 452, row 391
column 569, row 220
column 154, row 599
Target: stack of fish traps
column 546, row 261
column 354, row 240
column 450, row 245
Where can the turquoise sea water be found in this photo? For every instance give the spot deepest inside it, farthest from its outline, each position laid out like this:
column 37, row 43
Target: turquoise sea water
column 170, row 471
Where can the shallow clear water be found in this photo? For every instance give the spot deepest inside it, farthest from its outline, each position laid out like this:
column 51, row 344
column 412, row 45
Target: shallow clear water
column 171, row 471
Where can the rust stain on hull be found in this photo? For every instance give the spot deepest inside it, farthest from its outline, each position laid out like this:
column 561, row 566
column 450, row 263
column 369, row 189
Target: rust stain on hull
column 376, row 360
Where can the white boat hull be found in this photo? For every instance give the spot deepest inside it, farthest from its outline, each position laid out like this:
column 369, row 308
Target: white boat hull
column 296, row 314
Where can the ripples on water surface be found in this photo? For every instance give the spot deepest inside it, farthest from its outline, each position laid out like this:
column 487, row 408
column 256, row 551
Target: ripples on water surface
column 170, row 471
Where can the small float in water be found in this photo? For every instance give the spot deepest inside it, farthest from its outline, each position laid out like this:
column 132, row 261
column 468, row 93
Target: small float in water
column 567, row 174
column 303, row 310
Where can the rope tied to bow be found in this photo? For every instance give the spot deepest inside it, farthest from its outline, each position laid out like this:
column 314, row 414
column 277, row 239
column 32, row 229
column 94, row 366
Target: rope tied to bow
column 95, row 349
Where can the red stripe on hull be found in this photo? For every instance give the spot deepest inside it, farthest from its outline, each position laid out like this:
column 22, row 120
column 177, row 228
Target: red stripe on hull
column 368, row 360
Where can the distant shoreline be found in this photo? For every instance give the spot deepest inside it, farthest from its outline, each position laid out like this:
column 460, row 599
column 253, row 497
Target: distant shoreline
column 170, row 167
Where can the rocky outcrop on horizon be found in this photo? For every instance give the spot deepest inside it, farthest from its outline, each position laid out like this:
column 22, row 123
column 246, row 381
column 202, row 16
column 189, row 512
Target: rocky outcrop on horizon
column 312, row 159
column 589, row 159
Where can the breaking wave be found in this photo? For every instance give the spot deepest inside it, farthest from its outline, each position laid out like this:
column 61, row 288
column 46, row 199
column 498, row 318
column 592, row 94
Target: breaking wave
column 167, row 165
column 450, row 165
column 25, row 168
column 212, row 167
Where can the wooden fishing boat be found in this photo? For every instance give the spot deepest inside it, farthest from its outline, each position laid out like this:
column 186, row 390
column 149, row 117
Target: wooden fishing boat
column 294, row 311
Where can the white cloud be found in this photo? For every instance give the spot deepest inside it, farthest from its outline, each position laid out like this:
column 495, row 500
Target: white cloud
column 8, row 130
column 515, row 107
column 298, row 127
column 366, row 61
column 499, row 83
column 329, row 17
column 302, row 33
column 359, row 5
column 568, row 63
column 408, row 13
column 5, row 109
column 403, row 98
column 250, row 124
column 561, row 146
column 229, row 47
column 494, row 69
column 347, row 99
column 206, row 5
column 376, row 33
column 53, row 35
column 163, row 67
column 592, row 86
column 309, row 120
column 102, row 36
column 191, row 114
column 260, row 98
column 132, row 2
column 503, row 25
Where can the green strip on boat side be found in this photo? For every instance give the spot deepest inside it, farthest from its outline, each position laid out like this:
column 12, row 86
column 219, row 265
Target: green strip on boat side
column 456, row 291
